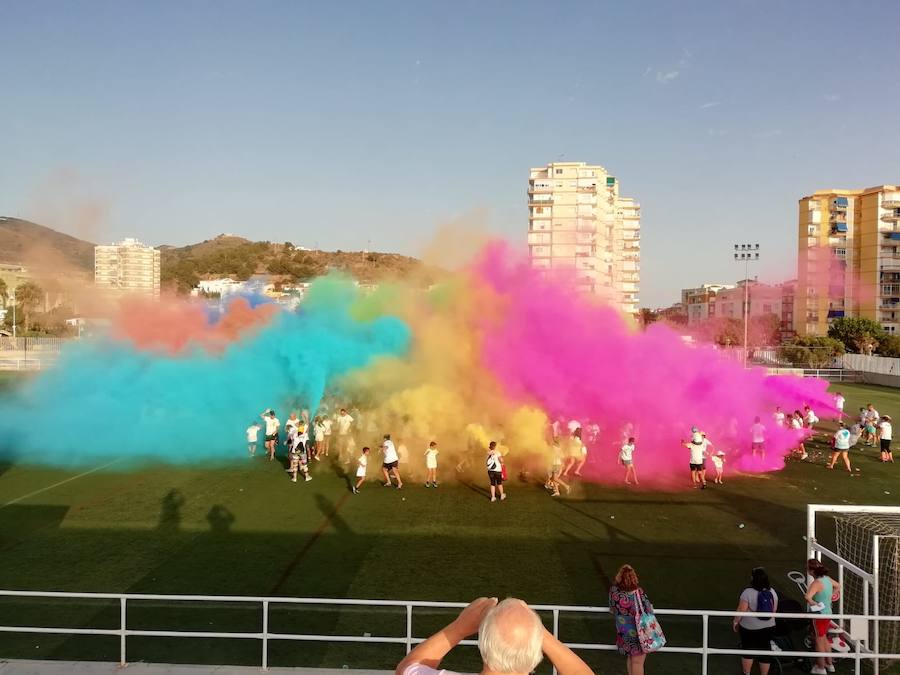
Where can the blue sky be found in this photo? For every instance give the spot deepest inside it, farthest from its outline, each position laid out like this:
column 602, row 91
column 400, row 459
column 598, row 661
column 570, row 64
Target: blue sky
column 335, row 124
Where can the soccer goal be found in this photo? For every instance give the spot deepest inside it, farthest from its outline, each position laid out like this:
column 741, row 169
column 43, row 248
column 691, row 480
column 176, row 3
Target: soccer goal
column 867, row 554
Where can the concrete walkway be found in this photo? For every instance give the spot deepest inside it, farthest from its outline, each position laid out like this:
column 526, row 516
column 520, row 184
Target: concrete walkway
column 94, row 668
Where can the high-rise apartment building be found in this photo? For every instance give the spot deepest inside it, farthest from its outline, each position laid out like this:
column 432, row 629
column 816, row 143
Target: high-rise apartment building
column 127, row 266
column 848, row 258
column 579, row 224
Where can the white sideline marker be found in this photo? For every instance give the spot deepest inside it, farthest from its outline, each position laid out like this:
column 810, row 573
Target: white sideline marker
column 62, row 482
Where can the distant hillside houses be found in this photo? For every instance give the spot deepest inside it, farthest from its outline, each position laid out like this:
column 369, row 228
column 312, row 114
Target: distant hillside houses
column 288, row 294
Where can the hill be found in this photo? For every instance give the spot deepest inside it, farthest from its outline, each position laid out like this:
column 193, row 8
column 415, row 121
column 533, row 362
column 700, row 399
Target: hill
column 39, row 247
column 239, row 258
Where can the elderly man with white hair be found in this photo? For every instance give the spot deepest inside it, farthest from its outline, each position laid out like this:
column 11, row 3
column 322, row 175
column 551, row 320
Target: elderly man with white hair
column 511, row 638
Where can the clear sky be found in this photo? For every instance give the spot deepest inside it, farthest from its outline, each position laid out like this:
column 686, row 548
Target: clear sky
column 339, row 123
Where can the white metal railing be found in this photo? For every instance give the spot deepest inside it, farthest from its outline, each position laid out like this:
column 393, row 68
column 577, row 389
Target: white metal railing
column 122, row 631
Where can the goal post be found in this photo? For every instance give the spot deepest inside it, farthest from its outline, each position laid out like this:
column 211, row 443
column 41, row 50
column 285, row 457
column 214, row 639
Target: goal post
column 867, row 554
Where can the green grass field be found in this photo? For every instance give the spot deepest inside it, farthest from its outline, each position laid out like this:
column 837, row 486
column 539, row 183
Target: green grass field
column 246, row 530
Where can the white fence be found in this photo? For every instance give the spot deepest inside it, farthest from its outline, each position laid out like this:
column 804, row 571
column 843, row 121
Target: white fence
column 880, row 365
column 858, row 655
column 30, row 353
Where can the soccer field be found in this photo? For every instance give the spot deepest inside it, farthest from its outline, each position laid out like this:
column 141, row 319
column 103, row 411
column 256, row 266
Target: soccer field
column 245, row 529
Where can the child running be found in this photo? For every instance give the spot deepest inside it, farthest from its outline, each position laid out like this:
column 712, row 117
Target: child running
column 626, row 459
column 554, row 480
column 431, row 457
column 390, row 462
column 361, row 463
column 252, row 438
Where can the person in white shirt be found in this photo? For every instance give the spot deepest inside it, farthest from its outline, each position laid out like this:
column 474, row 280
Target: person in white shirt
column 778, row 416
column 431, row 457
column 272, row 425
column 511, row 640
column 718, row 460
column 810, row 417
column 326, row 432
column 699, row 452
column 797, row 428
column 573, row 425
column 839, row 401
column 361, row 463
column 343, row 423
column 292, row 421
column 554, row 480
column 841, row 447
column 319, row 436
column 582, row 451
column 626, row 459
column 390, row 462
column 758, row 439
column 252, row 438
column 495, row 471
column 886, row 432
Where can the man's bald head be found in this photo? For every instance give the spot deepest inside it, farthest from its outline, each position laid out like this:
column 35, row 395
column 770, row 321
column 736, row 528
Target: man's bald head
column 510, row 638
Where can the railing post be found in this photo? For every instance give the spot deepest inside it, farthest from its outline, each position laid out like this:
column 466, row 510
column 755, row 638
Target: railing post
column 408, row 628
column 265, row 638
column 705, row 667
column 555, row 630
column 122, row 626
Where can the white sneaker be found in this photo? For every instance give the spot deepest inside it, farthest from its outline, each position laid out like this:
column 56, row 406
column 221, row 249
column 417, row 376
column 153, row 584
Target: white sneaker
column 493, row 499
column 830, row 669
column 818, row 670
column 308, row 478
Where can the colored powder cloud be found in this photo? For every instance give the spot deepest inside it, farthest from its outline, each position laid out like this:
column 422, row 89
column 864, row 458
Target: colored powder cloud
column 174, row 325
column 109, row 399
column 578, row 360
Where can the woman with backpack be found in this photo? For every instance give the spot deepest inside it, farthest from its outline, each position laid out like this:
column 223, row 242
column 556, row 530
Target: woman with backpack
column 756, row 632
column 637, row 631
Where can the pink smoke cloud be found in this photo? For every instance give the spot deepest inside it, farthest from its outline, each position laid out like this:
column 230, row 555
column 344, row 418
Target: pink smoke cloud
column 578, row 360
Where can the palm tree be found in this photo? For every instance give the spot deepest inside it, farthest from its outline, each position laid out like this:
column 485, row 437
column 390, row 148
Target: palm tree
column 29, row 297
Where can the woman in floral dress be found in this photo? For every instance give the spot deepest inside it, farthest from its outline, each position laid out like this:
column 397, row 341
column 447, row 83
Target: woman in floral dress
column 622, row 600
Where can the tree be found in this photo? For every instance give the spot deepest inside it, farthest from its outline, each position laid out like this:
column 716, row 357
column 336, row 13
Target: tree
column 4, row 293
column 889, row 345
column 857, row 335
column 764, row 330
column 811, row 352
column 29, row 297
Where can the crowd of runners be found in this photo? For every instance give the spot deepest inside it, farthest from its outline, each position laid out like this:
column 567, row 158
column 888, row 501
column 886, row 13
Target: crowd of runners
column 301, row 441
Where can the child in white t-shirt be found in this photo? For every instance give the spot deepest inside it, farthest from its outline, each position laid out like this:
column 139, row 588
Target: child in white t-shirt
column 361, row 463
column 626, row 459
column 252, row 437
column 718, row 460
column 431, row 457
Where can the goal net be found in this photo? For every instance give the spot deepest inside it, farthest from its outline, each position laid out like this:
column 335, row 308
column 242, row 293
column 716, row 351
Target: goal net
column 855, row 533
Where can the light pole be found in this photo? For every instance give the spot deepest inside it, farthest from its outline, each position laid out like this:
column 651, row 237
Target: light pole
column 13, row 296
column 746, row 253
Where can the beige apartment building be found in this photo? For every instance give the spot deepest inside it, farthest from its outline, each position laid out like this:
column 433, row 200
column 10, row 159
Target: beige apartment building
column 848, row 258
column 579, row 224
column 127, row 266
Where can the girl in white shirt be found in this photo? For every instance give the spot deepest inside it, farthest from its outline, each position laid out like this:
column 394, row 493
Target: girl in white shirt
column 361, row 463
column 431, row 455
column 626, row 459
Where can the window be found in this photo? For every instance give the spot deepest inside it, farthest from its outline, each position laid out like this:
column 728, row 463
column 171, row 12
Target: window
column 559, row 172
column 538, row 209
column 767, row 309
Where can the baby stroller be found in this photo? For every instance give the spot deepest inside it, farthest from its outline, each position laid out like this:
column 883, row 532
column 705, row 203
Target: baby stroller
column 790, row 635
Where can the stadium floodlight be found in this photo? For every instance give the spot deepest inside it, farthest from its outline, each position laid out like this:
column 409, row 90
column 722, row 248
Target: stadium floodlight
column 746, row 253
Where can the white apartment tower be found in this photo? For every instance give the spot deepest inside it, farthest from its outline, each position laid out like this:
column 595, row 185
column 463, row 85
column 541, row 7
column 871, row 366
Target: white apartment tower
column 578, row 224
column 127, row 266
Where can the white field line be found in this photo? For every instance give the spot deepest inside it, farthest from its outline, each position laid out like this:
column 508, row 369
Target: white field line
column 62, row 482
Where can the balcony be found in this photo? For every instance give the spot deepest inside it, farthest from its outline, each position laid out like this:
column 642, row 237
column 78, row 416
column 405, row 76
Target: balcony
column 540, row 202
column 539, row 189
column 891, row 216
column 890, row 203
